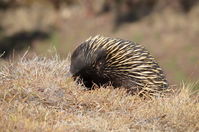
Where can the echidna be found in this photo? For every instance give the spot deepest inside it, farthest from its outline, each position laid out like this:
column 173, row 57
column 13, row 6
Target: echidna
column 121, row 63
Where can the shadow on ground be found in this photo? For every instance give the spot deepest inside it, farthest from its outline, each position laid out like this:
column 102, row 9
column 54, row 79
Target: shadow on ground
column 20, row 41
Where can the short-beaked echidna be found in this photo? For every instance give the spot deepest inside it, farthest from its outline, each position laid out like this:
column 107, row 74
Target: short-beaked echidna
column 121, row 63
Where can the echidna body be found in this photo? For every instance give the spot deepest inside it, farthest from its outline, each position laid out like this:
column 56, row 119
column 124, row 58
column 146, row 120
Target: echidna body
column 121, row 63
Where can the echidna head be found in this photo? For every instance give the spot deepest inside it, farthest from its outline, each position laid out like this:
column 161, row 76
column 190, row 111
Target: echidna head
column 87, row 64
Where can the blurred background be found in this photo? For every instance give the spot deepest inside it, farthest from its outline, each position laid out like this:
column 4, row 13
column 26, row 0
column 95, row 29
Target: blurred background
column 169, row 29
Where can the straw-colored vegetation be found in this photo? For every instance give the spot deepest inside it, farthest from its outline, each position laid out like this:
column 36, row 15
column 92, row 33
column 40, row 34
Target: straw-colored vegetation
column 37, row 95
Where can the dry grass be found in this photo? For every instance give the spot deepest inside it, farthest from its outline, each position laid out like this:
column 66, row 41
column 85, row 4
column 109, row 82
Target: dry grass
column 37, row 95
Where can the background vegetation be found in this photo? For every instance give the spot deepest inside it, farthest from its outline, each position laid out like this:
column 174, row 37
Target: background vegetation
column 169, row 28
column 37, row 95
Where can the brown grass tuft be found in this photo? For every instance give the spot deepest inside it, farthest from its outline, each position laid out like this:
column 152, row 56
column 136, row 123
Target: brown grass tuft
column 37, row 95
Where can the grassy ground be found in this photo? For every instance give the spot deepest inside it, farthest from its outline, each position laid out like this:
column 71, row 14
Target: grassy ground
column 37, row 94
